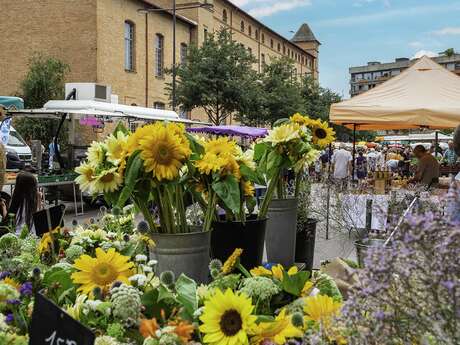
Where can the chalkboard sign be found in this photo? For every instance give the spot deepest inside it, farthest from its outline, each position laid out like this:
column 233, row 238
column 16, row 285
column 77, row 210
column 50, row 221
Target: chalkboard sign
column 52, row 326
column 48, row 219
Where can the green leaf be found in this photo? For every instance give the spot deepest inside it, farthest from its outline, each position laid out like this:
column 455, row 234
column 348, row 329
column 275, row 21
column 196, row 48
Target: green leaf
column 133, row 170
column 280, row 122
column 229, row 191
column 164, row 294
column 186, row 295
column 153, row 306
column 194, row 144
column 252, row 175
column 63, row 278
column 274, row 161
column 295, row 283
column 259, row 151
column 120, row 128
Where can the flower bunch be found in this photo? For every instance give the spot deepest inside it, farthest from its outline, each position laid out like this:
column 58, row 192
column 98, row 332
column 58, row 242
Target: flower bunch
column 225, row 176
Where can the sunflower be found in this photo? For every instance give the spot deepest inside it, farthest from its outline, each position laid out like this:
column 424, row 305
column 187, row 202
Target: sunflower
column 248, row 189
column 101, row 271
column 322, row 134
column 96, row 153
column 260, row 271
column 277, row 331
column 148, row 327
column 11, row 282
column 321, row 309
column 246, row 158
column 227, row 318
column 107, row 181
column 232, row 261
column 283, row 134
column 210, row 163
column 307, row 288
column 44, row 246
column 278, row 271
column 163, row 152
column 133, row 142
column 116, row 146
column 86, row 176
column 231, row 168
column 300, row 119
column 221, row 146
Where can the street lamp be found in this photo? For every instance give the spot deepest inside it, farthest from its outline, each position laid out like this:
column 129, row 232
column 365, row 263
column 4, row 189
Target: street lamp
column 174, row 10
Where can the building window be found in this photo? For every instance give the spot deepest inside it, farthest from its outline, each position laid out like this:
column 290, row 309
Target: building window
column 183, row 53
column 279, row 47
column 242, row 26
column 159, row 55
column 129, row 46
column 262, row 60
column 205, row 33
column 271, row 43
column 224, row 16
column 303, row 60
column 284, row 50
column 159, row 105
column 263, row 39
column 257, row 34
column 250, row 30
column 289, row 52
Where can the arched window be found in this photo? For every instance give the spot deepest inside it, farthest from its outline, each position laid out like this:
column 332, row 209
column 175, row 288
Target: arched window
column 279, row 47
column 257, row 34
column 159, row 55
column 263, row 38
column 224, row 16
column 271, row 43
column 250, row 30
column 129, row 46
column 183, row 53
column 242, row 26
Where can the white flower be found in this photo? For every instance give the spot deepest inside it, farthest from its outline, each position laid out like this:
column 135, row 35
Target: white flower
column 148, row 269
column 152, row 262
column 92, row 305
column 140, row 279
column 141, row 258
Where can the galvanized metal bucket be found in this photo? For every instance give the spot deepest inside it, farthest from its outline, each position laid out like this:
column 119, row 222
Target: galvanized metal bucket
column 363, row 245
column 280, row 237
column 183, row 253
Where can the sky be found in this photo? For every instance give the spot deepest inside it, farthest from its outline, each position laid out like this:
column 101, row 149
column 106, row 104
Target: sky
column 353, row 32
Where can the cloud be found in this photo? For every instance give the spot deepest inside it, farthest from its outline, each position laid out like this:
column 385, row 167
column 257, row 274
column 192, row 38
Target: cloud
column 361, row 3
column 452, row 30
column 266, row 8
column 416, row 44
column 422, row 52
column 388, row 15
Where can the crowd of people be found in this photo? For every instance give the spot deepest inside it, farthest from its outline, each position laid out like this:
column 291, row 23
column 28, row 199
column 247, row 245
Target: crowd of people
column 418, row 164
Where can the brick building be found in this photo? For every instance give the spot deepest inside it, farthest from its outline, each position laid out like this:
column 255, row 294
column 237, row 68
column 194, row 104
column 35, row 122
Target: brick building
column 112, row 42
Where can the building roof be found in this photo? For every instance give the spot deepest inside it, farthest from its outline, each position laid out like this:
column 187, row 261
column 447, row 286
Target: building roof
column 228, row 2
column 304, row 34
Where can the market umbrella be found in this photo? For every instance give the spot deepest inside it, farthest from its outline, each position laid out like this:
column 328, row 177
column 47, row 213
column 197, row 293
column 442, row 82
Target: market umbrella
column 232, row 130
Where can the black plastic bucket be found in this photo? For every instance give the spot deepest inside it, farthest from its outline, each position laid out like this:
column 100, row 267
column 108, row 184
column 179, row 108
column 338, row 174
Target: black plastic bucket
column 250, row 236
column 305, row 244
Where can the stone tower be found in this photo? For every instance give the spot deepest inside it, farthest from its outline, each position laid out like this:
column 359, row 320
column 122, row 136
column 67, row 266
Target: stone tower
column 305, row 38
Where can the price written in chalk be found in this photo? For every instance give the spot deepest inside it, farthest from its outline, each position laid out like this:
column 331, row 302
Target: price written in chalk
column 54, row 339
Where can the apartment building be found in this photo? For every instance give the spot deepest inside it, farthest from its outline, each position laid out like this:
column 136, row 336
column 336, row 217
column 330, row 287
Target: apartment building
column 363, row 78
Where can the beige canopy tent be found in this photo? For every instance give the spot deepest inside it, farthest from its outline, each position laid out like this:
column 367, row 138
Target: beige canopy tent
column 426, row 95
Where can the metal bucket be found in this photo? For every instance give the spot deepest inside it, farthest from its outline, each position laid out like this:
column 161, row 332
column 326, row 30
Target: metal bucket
column 186, row 253
column 280, row 238
column 305, row 244
column 363, row 245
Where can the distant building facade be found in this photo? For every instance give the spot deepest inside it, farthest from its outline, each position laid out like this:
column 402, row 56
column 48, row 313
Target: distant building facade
column 111, row 42
column 364, row 78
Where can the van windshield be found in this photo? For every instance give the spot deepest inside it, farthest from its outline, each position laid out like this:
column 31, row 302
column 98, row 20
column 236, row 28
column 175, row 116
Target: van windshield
column 15, row 139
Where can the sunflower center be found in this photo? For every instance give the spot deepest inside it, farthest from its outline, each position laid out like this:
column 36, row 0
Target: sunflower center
column 109, row 177
column 163, row 154
column 104, row 273
column 230, row 322
column 89, row 175
column 320, row 133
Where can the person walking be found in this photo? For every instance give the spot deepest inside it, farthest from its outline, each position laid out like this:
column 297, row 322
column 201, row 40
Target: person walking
column 341, row 160
column 450, row 157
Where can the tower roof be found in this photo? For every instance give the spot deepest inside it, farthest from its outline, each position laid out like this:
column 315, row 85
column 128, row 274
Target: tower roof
column 304, row 34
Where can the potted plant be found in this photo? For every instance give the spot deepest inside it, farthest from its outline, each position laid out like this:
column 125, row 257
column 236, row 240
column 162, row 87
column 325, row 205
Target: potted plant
column 152, row 167
column 223, row 179
column 290, row 146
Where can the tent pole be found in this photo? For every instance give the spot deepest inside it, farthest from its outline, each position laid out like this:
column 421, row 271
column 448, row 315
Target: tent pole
column 354, row 152
column 328, row 201
column 436, row 139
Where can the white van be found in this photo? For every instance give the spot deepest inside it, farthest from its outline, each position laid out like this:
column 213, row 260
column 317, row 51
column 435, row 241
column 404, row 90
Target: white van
column 17, row 147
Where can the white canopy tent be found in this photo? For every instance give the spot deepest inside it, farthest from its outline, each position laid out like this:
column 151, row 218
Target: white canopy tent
column 418, row 137
column 426, row 95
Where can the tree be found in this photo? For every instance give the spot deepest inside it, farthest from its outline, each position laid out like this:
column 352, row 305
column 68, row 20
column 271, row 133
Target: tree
column 276, row 96
column 217, row 77
column 44, row 81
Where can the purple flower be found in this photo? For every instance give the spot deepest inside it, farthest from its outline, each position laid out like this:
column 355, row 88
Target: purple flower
column 449, row 285
column 9, row 318
column 26, row 289
column 13, row 301
column 4, row 274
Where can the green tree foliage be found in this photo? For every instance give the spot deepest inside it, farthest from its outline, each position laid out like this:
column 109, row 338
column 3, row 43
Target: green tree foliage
column 216, row 77
column 277, row 94
column 44, row 81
